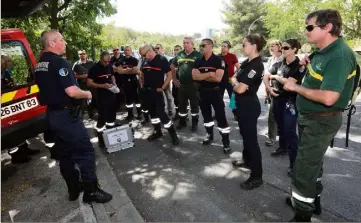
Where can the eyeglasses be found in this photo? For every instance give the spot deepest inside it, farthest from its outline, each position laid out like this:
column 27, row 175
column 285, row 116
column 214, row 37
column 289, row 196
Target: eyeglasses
column 309, row 28
column 115, row 50
column 203, row 45
column 286, row 48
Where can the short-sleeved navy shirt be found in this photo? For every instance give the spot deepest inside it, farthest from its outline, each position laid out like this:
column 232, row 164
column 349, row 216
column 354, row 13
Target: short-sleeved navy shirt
column 286, row 70
column 154, row 71
column 211, row 65
column 53, row 75
column 250, row 73
column 101, row 74
column 129, row 62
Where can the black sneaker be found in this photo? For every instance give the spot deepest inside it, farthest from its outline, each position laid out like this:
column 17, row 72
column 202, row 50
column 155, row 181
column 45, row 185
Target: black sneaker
column 98, row 196
column 278, row 152
column 252, row 183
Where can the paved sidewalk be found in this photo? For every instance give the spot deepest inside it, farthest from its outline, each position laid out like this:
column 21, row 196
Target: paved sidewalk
column 36, row 192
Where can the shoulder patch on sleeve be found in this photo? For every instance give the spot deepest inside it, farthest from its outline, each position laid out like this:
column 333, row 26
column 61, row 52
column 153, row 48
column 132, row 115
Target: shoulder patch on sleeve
column 63, row 72
column 251, row 74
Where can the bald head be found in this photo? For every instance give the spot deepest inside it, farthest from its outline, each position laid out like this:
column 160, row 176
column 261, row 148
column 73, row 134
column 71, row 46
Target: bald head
column 148, row 51
column 52, row 41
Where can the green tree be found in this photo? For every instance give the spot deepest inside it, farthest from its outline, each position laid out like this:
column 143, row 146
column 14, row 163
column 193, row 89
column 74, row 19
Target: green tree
column 243, row 16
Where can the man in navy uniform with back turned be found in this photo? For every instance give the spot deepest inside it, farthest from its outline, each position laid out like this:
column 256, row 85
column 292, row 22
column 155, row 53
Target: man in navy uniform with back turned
column 59, row 91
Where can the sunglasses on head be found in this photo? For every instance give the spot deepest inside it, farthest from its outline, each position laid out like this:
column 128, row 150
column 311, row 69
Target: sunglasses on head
column 286, row 48
column 309, row 28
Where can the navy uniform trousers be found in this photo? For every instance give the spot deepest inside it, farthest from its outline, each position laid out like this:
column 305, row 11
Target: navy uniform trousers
column 75, row 148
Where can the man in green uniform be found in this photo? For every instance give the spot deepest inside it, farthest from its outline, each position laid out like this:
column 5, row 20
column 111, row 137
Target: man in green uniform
column 324, row 94
column 184, row 62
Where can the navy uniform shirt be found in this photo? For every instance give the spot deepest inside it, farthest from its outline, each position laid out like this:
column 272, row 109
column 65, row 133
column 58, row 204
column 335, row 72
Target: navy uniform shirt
column 101, row 74
column 251, row 73
column 129, row 62
column 286, row 70
column 53, row 75
column 211, row 65
column 154, row 71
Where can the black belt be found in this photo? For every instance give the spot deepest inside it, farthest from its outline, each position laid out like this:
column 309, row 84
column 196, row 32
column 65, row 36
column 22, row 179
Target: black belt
column 72, row 110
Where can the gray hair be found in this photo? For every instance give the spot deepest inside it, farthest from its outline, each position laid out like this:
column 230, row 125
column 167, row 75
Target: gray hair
column 191, row 39
column 46, row 36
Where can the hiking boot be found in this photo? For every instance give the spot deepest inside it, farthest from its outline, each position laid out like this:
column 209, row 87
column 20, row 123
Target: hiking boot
column 252, row 183
column 279, row 151
column 157, row 133
column 92, row 193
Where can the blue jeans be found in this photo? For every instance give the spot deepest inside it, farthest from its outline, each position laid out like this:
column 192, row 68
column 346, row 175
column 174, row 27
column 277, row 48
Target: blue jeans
column 287, row 124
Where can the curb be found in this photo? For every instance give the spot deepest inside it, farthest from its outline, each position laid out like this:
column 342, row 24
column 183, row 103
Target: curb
column 120, row 208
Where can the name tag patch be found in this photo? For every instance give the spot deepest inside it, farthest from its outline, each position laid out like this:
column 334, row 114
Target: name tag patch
column 251, row 74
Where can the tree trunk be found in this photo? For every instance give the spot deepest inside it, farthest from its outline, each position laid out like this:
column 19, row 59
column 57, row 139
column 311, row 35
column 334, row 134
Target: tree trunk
column 54, row 15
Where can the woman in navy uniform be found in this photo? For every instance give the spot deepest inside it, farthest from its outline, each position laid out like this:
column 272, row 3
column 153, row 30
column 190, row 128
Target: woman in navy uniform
column 284, row 102
column 246, row 83
column 58, row 91
column 101, row 77
column 208, row 72
column 153, row 71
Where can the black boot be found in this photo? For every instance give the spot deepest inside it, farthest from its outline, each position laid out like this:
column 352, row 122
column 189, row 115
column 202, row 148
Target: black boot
column 225, row 141
column 182, row 123
column 24, row 146
column 92, row 193
column 252, row 183
column 173, row 135
column 157, row 133
column 279, row 151
column 317, row 203
column 130, row 114
column 209, row 137
column 146, row 118
column 20, row 154
column 100, row 140
column 301, row 218
column 139, row 113
column 194, row 123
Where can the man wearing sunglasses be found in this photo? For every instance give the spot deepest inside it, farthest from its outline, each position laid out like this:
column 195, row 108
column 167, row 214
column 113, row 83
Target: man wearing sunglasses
column 154, row 71
column 101, row 77
column 208, row 72
column 167, row 92
column 115, row 61
column 81, row 69
column 322, row 97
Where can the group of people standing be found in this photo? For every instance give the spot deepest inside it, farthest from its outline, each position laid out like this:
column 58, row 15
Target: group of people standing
column 199, row 81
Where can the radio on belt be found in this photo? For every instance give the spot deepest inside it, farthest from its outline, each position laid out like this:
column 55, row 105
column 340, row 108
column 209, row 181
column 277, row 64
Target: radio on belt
column 118, row 138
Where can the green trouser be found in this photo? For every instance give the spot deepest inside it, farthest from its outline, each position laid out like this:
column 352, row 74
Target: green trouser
column 315, row 135
column 272, row 125
column 185, row 93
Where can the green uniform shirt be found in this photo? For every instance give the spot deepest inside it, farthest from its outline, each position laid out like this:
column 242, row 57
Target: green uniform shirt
column 185, row 64
column 333, row 69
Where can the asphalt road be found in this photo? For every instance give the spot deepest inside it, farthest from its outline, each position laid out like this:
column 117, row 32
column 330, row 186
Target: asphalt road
column 192, row 182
